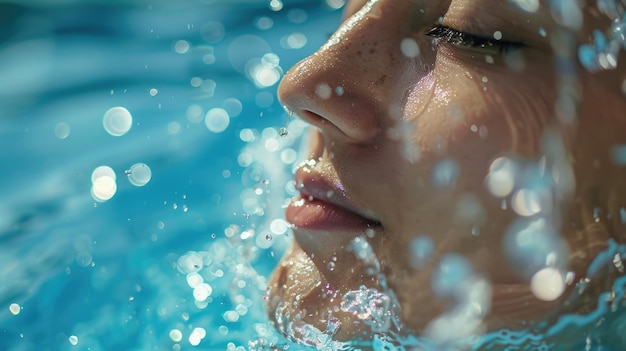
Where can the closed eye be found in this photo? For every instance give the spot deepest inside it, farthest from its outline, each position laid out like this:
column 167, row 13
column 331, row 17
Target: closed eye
column 456, row 37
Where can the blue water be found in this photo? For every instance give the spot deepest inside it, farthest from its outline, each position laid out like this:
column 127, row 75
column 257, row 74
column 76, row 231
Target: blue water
column 80, row 270
column 177, row 260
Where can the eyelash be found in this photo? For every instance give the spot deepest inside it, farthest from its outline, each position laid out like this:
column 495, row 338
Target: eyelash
column 456, row 37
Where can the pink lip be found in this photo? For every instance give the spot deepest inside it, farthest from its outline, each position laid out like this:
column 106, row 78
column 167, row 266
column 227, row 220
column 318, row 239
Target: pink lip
column 324, row 206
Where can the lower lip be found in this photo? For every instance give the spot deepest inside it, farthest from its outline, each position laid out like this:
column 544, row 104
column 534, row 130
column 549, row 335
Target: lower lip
column 314, row 214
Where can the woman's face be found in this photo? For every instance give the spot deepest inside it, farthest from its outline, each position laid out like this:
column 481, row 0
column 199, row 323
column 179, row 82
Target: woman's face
column 424, row 137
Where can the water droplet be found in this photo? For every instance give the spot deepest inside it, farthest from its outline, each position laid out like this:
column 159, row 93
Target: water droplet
column 331, row 266
column 268, row 237
column 547, row 284
column 409, row 47
column 323, row 91
column 202, row 292
column 542, row 32
column 217, row 120
column 445, row 173
column 190, row 262
column 526, row 202
column 15, row 309
column 596, row 214
column 527, row 5
column 618, row 263
column 139, row 174
column 422, row 250
column 276, row 5
column 176, row 335
column 62, row 130
column 501, row 178
column 282, row 132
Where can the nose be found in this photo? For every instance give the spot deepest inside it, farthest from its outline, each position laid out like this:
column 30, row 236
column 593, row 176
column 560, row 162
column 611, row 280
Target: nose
column 352, row 87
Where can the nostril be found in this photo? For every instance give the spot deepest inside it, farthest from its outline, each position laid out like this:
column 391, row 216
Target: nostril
column 313, row 118
column 350, row 127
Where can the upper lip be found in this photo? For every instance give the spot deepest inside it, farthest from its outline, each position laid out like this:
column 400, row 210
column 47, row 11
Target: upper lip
column 313, row 184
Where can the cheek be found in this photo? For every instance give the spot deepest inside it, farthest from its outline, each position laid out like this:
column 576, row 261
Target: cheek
column 494, row 112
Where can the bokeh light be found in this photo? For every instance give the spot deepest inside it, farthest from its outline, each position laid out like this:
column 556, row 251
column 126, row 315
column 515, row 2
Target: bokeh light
column 139, row 174
column 117, row 121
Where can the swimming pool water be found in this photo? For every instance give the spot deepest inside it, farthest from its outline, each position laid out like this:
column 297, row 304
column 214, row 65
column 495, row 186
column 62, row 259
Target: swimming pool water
column 168, row 245
column 143, row 178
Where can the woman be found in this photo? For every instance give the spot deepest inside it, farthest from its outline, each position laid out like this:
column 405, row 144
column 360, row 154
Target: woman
column 463, row 173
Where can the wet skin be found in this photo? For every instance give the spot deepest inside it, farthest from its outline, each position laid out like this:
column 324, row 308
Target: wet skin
column 379, row 138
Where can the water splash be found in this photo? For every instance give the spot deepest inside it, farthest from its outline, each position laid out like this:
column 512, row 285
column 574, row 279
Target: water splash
column 378, row 310
column 603, row 53
column 305, row 334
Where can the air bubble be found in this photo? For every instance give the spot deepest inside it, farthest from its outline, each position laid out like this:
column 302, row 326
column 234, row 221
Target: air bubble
column 196, row 336
column 139, row 174
column 190, row 262
column 194, row 280
column 62, row 130
column 15, row 309
column 83, row 259
column 276, row 5
column 217, row 120
column 176, row 335
column 336, row 4
column 103, row 188
column 202, row 292
column 102, row 171
column 117, row 121
column 181, row 46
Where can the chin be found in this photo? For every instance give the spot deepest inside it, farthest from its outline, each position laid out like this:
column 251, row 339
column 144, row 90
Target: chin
column 307, row 309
